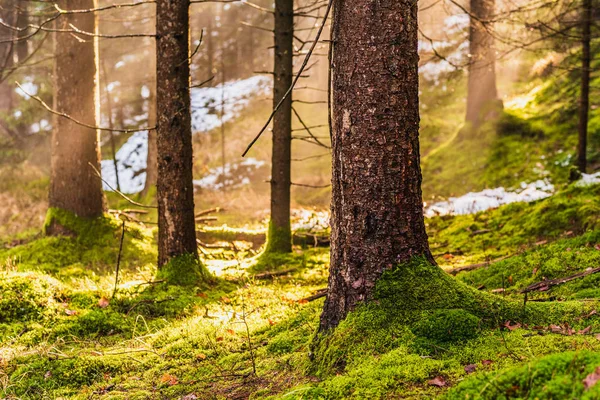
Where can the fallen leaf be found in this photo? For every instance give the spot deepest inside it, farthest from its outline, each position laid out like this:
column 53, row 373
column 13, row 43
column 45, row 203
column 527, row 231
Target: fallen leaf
column 70, row 312
column 190, row 396
column 302, row 301
column 48, row 375
column 510, row 279
column 585, row 331
column 592, row 378
column 448, row 256
column 225, row 299
column 438, row 381
column 271, row 322
column 510, row 327
column 487, row 362
column 201, row 356
column 169, row 379
column 231, row 331
column 103, row 302
column 203, row 295
column 501, row 290
column 470, row 368
column 597, row 247
column 556, row 329
column 219, row 339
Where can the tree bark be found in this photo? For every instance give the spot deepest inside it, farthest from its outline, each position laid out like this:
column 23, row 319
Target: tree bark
column 175, row 194
column 151, row 158
column 74, row 185
column 584, row 100
column 280, row 233
column 482, row 94
column 377, row 207
column 6, row 58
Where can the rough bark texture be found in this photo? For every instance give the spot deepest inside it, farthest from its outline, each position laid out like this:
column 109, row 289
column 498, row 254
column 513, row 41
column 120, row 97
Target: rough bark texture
column 280, row 236
column 482, row 95
column 175, row 195
column 151, row 158
column 74, row 185
column 377, row 208
column 584, row 100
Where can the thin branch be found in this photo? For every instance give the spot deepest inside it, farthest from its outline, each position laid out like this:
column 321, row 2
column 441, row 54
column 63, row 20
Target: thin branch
column 289, row 91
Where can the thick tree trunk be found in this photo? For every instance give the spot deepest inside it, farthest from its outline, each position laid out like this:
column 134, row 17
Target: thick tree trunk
column 175, row 194
column 151, row 158
column 280, row 233
column 377, row 207
column 482, row 95
column 74, row 185
column 584, row 100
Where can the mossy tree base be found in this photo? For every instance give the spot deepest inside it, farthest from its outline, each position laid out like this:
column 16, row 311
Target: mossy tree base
column 279, row 240
column 185, row 270
column 418, row 302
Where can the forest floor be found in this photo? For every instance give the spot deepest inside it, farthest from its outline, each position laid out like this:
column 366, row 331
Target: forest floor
column 66, row 333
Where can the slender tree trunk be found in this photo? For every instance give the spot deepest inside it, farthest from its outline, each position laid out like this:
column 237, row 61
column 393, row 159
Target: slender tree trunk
column 6, row 58
column 74, row 185
column 151, row 158
column 280, row 232
column 376, row 207
column 175, row 194
column 584, row 100
column 482, row 95
column 210, row 49
column 22, row 48
column 109, row 113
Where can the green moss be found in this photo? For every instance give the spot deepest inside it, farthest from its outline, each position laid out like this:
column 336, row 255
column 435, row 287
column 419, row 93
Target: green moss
column 94, row 245
column 448, row 326
column 503, row 231
column 410, row 297
column 557, row 376
column 279, row 240
column 28, row 296
column 184, row 270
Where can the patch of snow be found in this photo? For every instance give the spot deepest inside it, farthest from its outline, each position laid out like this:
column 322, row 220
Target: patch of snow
column 310, row 220
column 206, row 102
column 490, row 198
column 588, row 179
column 131, row 164
column 236, row 175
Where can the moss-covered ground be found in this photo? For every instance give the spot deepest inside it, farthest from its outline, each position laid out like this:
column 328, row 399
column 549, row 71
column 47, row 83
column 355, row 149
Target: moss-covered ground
column 238, row 333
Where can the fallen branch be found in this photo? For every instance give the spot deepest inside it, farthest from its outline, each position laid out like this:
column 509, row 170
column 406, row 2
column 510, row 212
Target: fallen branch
column 209, row 211
column 471, row 267
column 271, row 274
column 320, row 293
column 547, row 284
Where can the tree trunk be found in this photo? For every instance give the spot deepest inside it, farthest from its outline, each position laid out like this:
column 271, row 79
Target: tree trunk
column 175, row 194
column 376, row 207
column 74, row 185
column 584, row 100
column 280, row 232
column 22, row 47
column 6, row 59
column 151, row 158
column 482, row 95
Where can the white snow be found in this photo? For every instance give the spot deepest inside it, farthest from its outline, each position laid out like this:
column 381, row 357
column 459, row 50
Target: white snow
column 589, row 179
column 206, row 102
column 206, row 108
column 237, row 175
column 490, row 198
column 131, row 163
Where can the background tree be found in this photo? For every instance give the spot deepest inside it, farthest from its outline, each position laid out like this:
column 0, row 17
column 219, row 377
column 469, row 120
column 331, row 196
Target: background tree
column 584, row 99
column 377, row 207
column 280, row 232
column 73, row 184
column 482, row 94
column 175, row 193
